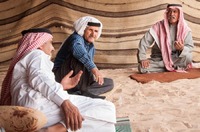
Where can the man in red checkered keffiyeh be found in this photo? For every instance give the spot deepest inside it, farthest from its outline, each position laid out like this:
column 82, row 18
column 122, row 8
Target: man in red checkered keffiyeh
column 32, row 39
column 170, row 41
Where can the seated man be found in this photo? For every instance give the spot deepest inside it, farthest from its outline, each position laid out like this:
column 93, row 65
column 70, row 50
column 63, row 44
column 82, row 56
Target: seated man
column 31, row 83
column 173, row 45
column 77, row 53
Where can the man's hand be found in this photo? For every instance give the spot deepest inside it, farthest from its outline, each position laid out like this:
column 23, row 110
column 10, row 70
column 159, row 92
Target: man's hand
column 98, row 76
column 72, row 116
column 144, row 63
column 68, row 82
column 178, row 45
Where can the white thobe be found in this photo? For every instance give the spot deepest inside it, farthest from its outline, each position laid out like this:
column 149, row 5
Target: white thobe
column 33, row 85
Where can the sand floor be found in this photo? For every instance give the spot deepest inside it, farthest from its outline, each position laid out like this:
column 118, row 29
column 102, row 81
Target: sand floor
column 154, row 106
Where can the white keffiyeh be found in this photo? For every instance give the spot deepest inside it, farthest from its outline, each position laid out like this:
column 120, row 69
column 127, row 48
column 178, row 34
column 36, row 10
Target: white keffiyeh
column 81, row 24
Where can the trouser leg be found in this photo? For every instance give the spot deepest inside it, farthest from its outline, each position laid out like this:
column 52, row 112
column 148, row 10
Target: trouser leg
column 99, row 115
column 154, row 66
column 76, row 66
column 96, row 126
column 97, row 89
column 86, row 79
column 183, row 61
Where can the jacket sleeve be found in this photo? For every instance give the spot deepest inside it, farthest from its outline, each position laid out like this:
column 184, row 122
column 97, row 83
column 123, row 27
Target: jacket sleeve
column 81, row 53
column 188, row 45
column 145, row 43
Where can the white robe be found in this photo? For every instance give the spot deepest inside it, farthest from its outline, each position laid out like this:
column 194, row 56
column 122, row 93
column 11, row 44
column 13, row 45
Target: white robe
column 33, row 85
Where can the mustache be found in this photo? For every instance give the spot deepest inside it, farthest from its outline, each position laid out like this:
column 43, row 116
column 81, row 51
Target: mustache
column 172, row 17
column 92, row 36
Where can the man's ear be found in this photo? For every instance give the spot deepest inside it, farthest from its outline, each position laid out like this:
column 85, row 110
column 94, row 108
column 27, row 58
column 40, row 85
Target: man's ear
column 40, row 47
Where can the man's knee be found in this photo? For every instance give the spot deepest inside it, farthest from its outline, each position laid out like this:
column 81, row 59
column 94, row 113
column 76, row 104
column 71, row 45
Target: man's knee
column 188, row 58
column 184, row 61
column 153, row 67
column 141, row 70
column 109, row 82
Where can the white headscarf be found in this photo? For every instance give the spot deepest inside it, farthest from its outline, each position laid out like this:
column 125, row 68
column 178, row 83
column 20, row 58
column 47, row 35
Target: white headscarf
column 82, row 23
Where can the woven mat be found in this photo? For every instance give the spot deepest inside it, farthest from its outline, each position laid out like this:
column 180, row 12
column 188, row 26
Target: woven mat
column 166, row 76
column 123, row 124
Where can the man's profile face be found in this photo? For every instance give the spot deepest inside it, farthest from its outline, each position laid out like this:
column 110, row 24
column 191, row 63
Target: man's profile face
column 91, row 33
column 47, row 47
column 173, row 15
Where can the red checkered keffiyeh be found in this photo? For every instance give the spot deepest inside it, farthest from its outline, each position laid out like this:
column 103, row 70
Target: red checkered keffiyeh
column 29, row 42
column 162, row 31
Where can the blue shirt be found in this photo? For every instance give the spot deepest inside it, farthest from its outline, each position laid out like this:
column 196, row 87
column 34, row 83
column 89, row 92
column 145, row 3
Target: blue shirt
column 76, row 46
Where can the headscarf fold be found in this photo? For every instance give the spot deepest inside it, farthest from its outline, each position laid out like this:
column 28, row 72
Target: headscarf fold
column 82, row 23
column 29, row 42
column 162, row 36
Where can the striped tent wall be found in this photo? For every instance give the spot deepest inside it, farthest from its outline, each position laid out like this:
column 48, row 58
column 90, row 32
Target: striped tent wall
column 124, row 24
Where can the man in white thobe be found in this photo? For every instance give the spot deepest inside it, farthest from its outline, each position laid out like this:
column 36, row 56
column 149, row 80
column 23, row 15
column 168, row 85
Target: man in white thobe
column 30, row 82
